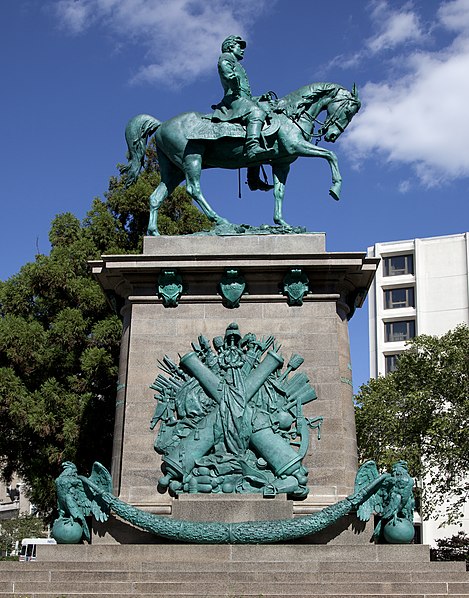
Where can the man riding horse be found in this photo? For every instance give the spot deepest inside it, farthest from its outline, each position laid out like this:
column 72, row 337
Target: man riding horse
column 239, row 105
column 190, row 142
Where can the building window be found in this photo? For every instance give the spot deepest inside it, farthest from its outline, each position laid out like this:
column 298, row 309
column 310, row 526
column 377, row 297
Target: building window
column 396, row 298
column 399, row 331
column 390, row 362
column 397, row 265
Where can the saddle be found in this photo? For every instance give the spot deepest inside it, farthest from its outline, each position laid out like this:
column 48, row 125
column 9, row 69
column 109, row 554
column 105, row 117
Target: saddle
column 210, row 130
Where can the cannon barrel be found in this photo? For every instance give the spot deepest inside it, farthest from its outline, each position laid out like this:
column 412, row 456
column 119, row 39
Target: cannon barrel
column 271, row 362
column 283, row 459
column 210, row 382
column 181, row 459
column 206, row 378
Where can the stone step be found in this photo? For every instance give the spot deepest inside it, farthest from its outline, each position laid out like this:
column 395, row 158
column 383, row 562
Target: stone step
column 220, row 567
column 396, row 566
column 235, row 588
column 81, row 576
column 224, row 553
column 225, row 595
column 233, row 572
column 254, row 594
column 25, row 574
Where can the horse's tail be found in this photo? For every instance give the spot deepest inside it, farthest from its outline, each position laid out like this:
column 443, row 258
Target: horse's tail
column 137, row 131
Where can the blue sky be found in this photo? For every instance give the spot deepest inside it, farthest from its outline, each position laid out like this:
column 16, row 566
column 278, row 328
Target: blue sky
column 75, row 71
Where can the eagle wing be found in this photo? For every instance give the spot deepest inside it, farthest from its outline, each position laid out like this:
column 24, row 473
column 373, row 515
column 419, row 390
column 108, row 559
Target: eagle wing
column 100, row 482
column 366, row 474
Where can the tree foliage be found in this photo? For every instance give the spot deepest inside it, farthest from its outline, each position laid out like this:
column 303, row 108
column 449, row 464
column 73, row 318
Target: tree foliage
column 14, row 530
column 455, row 548
column 420, row 413
column 59, row 338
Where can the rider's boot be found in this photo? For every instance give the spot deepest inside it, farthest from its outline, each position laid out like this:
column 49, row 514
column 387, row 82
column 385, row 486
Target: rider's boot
column 255, row 183
column 252, row 147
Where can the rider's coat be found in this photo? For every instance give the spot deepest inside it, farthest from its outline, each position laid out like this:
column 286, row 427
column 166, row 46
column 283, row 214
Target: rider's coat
column 237, row 103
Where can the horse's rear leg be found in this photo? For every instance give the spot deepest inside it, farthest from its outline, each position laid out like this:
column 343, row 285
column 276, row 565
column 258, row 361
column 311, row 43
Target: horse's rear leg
column 192, row 165
column 171, row 177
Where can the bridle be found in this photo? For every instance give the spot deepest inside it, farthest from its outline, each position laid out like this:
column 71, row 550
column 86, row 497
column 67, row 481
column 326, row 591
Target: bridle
column 332, row 120
column 335, row 118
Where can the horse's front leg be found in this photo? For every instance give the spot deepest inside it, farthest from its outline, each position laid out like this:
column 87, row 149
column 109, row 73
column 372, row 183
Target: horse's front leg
column 280, row 173
column 192, row 165
column 303, row 148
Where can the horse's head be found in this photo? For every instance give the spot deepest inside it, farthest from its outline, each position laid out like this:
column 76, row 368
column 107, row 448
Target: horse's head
column 340, row 112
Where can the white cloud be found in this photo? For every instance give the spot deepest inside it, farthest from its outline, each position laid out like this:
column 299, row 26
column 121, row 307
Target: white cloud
column 394, row 28
column 422, row 118
column 75, row 16
column 404, row 186
column 455, row 15
column 180, row 38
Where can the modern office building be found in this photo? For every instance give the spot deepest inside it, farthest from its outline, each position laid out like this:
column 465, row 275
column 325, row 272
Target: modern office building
column 421, row 287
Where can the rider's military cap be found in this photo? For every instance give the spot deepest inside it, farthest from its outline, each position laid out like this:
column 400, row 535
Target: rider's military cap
column 226, row 45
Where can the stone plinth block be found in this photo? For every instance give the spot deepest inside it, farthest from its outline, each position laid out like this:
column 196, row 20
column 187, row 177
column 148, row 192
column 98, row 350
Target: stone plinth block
column 231, row 508
column 312, row 323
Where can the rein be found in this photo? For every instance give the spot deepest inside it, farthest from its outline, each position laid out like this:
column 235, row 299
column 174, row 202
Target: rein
column 330, row 120
column 314, row 121
column 333, row 119
column 306, row 135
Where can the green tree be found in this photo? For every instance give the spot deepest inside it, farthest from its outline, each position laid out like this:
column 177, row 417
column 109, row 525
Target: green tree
column 14, row 530
column 420, row 413
column 455, row 548
column 59, row 337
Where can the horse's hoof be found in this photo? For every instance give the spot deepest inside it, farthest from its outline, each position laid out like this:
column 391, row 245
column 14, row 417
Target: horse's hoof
column 334, row 191
column 152, row 233
column 282, row 223
column 221, row 221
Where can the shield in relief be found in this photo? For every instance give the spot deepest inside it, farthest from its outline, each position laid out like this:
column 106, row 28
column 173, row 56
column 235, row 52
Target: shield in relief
column 232, row 287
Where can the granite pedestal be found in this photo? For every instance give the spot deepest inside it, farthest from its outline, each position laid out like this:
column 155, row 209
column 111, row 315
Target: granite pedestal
column 317, row 329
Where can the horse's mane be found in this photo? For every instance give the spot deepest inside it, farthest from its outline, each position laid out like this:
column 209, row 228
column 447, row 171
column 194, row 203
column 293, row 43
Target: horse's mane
column 305, row 96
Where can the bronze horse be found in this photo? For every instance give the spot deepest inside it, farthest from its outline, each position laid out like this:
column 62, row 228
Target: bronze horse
column 182, row 157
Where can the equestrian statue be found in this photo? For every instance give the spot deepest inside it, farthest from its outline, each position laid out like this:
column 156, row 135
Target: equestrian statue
column 243, row 131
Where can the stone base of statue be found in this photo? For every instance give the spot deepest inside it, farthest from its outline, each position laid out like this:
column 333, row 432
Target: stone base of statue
column 285, row 287
column 229, row 571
